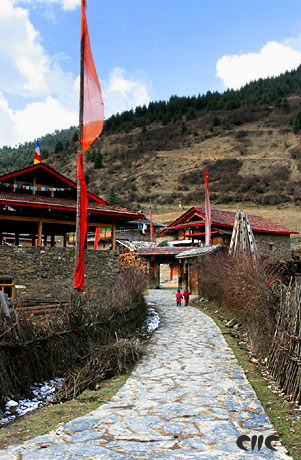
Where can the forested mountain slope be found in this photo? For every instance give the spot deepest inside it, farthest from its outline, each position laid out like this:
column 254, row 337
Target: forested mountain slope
column 248, row 139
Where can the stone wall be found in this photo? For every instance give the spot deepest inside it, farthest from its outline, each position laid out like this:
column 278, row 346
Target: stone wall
column 279, row 244
column 47, row 273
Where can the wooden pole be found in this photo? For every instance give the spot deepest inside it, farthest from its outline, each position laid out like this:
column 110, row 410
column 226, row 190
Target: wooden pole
column 80, row 149
column 34, row 183
column 40, row 229
column 114, row 236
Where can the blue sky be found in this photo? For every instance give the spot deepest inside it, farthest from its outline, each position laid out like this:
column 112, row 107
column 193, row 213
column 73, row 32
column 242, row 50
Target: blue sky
column 142, row 50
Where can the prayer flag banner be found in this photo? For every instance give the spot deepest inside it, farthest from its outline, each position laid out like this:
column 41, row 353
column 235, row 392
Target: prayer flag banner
column 92, row 116
column 97, row 236
column 93, row 111
column 36, row 187
column 37, row 153
column 151, row 225
column 79, row 280
column 207, row 211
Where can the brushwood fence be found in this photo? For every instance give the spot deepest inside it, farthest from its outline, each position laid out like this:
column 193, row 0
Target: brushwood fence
column 86, row 333
column 284, row 362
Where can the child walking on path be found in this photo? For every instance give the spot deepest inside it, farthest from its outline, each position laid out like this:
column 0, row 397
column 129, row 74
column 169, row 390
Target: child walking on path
column 179, row 297
column 186, row 295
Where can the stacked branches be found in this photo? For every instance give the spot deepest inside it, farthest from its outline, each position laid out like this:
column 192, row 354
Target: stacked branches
column 131, row 259
column 284, row 361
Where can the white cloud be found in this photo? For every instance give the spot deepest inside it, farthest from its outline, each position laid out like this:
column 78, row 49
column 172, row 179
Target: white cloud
column 43, row 117
column 23, row 62
column 121, row 93
column 37, row 119
column 273, row 59
column 36, row 95
column 48, row 96
column 64, row 4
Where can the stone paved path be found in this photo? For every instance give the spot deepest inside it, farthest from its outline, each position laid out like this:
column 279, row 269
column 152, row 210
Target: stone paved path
column 188, row 399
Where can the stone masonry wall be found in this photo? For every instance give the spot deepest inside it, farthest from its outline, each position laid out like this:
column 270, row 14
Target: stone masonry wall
column 47, row 273
column 281, row 244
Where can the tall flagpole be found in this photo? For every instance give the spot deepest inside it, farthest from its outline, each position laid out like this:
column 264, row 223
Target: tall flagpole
column 80, row 147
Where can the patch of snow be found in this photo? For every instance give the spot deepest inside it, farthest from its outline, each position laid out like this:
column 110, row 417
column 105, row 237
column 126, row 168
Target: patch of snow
column 42, row 392
column 152, row 321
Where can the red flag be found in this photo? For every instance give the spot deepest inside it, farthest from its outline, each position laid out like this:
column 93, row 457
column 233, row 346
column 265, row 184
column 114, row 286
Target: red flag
column 97, row 236
column 151, row 225
column 93, row 117
column 207, row 211
column 79, row 281
column 93, row 114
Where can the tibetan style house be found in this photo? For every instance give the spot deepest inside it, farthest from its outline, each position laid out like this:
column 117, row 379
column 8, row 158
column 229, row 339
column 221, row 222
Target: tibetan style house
column 37, row 210
column 189, row 228
column 187, row 240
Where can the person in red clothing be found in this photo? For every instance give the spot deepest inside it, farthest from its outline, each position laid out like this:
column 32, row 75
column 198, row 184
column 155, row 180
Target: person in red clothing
column 179, row 297
column 186, row 295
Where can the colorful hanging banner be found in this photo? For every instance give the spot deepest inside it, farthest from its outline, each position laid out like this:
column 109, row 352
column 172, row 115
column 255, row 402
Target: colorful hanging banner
column 37, row 154
column 38, row 188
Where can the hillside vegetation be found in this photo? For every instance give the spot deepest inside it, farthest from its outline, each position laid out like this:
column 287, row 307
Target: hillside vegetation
column 248, row 139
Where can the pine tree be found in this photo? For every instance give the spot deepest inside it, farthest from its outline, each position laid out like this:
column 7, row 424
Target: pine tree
column 112, row 196
column 98, row 163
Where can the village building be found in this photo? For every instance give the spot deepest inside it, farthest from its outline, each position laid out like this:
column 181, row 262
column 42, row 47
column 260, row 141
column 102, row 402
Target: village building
column 186, row 244
column 189, row 228
column 38, row 214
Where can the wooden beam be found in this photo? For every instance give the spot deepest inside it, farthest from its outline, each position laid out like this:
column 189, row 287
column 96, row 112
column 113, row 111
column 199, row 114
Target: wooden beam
column 52, row 240
column 34, row 185
column 40, row 230
column 17, row 239
column 51, row 221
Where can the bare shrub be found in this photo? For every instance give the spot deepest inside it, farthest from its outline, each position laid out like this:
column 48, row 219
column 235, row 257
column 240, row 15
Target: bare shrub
column 33, row 348
column 249, row 292
column 241, row 133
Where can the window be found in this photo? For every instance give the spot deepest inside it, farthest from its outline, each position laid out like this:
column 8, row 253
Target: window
column 7, row 287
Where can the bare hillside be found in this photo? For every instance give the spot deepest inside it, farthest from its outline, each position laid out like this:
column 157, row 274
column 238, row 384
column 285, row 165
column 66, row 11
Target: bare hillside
column 253, row 158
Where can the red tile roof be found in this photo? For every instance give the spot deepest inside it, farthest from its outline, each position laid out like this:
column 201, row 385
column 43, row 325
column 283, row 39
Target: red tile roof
column 41, row 168
column 226, row 218
column 37, row 201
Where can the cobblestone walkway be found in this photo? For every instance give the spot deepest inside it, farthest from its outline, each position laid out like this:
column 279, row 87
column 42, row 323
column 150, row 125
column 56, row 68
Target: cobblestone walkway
column 188, row 399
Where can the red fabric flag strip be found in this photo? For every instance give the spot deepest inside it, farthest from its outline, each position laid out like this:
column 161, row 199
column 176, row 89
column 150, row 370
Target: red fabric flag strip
column 93, row 111
column 97, row 236
column 207, row 211
column 79, row 281
column 93, row 116
column 151, row 225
